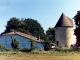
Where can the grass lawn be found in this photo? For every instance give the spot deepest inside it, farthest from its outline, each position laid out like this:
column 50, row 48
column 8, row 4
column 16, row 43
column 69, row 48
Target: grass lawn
column 45, row 56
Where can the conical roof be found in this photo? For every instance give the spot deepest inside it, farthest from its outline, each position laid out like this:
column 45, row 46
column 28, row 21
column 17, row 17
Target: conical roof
column 64, row 21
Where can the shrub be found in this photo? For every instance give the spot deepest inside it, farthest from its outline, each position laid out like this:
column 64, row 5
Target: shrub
column 2, row 47
column 46, row 45
column 32, row 44
column 15, row 43
column 25, row 50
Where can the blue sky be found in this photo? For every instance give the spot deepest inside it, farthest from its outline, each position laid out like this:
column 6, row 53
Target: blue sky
column 46, row 12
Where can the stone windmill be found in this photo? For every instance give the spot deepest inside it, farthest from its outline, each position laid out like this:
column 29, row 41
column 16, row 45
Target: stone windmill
column 64, row 33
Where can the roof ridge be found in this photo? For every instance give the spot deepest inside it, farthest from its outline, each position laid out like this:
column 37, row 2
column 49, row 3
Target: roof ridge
column 24, row 35
column 28, row 36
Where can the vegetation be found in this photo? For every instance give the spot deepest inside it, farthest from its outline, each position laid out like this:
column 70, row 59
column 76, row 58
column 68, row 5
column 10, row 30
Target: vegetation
column 49, row 38
column 13, row 23
column 31, row 27
column 28, row 26
column 32, row 44
column 15, row 43
column 53, row 54
column 77, row 28
column 51, row 51
column 2, row 47
column 50, row 34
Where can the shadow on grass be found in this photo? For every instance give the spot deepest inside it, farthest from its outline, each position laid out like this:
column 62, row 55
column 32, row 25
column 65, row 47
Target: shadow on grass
column 26, row 50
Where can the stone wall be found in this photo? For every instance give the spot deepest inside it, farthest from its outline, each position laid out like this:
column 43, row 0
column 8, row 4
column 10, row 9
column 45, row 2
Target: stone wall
column 64, row 36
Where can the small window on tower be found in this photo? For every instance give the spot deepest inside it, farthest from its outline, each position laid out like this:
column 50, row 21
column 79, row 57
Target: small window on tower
column 57, row 28
column 57, row 42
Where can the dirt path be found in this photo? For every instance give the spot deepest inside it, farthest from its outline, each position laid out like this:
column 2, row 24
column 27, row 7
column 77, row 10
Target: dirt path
column 39, row 57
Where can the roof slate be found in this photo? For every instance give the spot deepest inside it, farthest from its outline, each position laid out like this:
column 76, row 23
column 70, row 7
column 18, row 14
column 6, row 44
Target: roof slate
column 64, row 21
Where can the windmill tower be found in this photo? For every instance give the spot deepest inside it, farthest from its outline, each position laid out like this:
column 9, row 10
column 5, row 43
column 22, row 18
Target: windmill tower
column 64, row 32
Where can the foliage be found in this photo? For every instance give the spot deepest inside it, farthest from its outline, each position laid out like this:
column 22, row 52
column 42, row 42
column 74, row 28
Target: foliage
column 77, row 28
column 50, row 34
column 55, row 51
column 46, row 46
column 13, row 23
column 2, row 47
column 32, row 44
column 51, row 51
column 25, row 50
column 33, row 27
column 47, row 43
column 49, row 38
column 15, row 43
column 28, row 26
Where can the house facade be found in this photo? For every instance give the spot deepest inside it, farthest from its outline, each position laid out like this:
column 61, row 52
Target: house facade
column 24, row 40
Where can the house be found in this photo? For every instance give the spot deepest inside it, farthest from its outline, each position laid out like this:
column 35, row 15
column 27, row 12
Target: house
column 24, row 40
column 64, row 33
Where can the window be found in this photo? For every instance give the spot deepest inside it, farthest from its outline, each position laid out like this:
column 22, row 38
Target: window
column 11, row 36
column 56, row 28
column 57, row 42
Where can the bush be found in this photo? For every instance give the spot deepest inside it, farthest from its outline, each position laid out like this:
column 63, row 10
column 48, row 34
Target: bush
column 46, row 46
column 2, row 47
column 25, row 50
column 32, row 44
column 15, row 43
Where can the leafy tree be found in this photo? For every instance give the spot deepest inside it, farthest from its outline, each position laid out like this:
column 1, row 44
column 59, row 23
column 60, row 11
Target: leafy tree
column 50, row 34
column 77, row 28
column 47, row 43
column 34, row 27
column 13, row 23
column 28, row 26
column 49, row 38
column 15, row 43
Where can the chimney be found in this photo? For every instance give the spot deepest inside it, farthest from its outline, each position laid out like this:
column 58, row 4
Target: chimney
column 38, row 37
column 12, row 30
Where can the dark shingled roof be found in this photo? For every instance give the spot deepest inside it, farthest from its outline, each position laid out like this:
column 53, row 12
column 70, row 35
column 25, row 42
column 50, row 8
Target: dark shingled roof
column 64, row 21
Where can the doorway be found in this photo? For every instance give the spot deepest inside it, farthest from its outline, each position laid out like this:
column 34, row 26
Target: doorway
column 57, row 42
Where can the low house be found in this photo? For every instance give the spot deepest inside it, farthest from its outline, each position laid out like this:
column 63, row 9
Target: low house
column 24, row 40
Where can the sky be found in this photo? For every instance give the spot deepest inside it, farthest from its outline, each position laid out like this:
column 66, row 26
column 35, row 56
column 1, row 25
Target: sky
column 46, row 12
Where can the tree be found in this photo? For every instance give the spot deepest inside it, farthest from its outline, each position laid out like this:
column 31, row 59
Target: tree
column 15, row 43
column 32, row 44
column 49, row 38
column 28, row 26
column 34, row 27
column 77, row 28
column 47, row 43
column 13, row 23
column 50, row 34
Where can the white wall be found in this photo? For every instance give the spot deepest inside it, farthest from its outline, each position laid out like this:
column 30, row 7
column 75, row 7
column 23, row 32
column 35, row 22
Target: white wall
column 65, row 36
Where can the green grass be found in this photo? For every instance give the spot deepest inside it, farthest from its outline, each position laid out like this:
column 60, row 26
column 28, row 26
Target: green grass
column 53, row 54
column 28, row 51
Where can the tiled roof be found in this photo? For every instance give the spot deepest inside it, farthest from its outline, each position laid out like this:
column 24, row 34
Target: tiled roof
column 24, row 35
column 64, row 21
